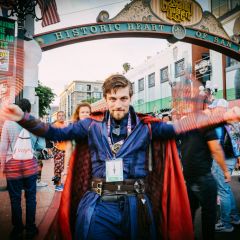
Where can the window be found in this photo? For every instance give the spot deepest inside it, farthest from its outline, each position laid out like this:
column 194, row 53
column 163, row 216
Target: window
column 220, row 7
column 133, row 87
column 88, row 87
column 179, row 68
column 151, row 80
column 234, row 3
column 96, row 89
column 79, row 87
column 231, row 61
column 141, row 84
column 164, row 75
column 97, row 95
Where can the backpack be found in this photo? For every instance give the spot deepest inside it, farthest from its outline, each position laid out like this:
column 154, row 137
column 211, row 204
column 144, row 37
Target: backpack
column 23, row 149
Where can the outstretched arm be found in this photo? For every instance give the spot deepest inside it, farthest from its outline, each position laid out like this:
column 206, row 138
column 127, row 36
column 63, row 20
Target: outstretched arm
column 74, row 131
column 206, row 118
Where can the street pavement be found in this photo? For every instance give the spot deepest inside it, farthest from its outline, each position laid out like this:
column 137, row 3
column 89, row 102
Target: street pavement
column 45, row 195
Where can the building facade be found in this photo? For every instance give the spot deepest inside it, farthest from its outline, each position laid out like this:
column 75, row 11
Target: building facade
column 77, row 92
column 154, row 80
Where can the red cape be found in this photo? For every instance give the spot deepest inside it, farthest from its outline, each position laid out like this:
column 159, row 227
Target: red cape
column 167, row 191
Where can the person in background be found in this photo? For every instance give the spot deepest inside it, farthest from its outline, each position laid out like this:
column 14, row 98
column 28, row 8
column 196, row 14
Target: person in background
column 20, row 174
column 40, row 159
column 198, row 148
column 59, row 153
column 166, row 117
column 229, row 138
column 82, row 111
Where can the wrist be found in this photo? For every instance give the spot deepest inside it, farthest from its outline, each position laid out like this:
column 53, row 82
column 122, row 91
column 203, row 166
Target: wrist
column 24, row 116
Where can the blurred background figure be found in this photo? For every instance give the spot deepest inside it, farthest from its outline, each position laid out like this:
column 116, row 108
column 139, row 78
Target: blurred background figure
column 229, row 138
column 59, row 153
column 82, row 111
column 198, row 148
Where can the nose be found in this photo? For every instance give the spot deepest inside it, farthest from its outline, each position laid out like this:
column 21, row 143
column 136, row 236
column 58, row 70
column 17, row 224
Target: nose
column 118, row 103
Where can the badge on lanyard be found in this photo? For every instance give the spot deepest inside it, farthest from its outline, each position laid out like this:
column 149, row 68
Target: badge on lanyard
column 114, row 170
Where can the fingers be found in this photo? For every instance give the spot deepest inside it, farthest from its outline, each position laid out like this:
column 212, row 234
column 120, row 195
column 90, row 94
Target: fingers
column 5, row 112
column 227, row 177
column 11, row 112
column 236, row 111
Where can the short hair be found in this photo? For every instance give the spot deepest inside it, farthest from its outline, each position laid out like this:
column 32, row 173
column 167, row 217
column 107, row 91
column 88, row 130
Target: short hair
column 25, row 105
column 75, row 116
column 114, row 82
column 61, row 112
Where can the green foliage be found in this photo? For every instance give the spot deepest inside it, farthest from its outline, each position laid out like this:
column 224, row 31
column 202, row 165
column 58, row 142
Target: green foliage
column 126, row 66
column 46, row 97
column 91, row 100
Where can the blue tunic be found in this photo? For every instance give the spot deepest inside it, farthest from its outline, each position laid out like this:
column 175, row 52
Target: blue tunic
column 133, row 152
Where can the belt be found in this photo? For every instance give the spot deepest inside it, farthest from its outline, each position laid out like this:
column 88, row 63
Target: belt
column 129, row 186
column 112, row 198
column 116, row 191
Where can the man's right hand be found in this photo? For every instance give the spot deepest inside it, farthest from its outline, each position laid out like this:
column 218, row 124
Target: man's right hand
column 227, row 176
column 11, row 112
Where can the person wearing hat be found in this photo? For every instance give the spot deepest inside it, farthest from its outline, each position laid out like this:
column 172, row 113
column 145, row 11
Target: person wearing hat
column 228, row 135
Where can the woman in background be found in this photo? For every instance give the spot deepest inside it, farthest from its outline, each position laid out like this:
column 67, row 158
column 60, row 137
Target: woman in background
column 82, row 111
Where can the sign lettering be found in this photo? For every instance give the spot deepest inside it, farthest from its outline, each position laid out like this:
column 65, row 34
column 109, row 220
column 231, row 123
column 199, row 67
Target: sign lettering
column 83, row 32
column 177, row 10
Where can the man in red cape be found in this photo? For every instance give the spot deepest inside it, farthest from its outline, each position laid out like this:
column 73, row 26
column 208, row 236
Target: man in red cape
column 168, row 191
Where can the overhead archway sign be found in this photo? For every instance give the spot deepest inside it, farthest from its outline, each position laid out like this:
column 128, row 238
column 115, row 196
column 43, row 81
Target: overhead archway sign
column 146, row 19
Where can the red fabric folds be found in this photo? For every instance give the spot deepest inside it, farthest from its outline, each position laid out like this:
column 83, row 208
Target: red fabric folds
column 176, row 214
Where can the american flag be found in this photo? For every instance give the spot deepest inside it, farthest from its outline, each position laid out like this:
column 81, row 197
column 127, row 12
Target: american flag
column 49, row 12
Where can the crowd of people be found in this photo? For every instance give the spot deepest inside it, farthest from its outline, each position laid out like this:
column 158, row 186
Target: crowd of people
column 123, row 191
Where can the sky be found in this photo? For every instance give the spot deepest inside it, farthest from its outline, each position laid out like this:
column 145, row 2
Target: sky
column 92, row 60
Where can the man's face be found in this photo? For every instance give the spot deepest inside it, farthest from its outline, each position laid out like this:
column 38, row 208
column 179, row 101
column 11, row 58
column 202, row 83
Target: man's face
column 118, row 103
column 61, row 117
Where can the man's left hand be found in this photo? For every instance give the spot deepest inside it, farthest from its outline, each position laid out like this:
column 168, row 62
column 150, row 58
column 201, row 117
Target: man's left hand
column 232, row 115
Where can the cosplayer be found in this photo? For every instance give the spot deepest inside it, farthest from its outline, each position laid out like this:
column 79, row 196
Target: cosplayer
column 122, row 189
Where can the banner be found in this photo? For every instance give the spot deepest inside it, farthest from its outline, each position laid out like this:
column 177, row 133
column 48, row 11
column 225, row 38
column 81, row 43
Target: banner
column 7, row 40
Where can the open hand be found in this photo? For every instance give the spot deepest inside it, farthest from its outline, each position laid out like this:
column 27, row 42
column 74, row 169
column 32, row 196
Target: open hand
column 11, row 112
column 232, row 115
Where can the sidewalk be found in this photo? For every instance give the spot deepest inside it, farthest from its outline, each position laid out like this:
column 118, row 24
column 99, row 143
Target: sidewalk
column 44, row 199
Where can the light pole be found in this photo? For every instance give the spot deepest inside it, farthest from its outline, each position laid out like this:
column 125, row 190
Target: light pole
column 20, row 9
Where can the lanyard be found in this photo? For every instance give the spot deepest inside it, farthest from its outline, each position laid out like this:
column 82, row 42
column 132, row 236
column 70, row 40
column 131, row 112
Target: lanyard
column 116, row 146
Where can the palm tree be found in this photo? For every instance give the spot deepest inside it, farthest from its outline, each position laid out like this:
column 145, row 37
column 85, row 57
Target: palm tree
column 126, row 66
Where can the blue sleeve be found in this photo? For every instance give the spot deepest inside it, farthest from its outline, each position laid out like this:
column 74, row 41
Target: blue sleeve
column 163, row 130
column 75, row 131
